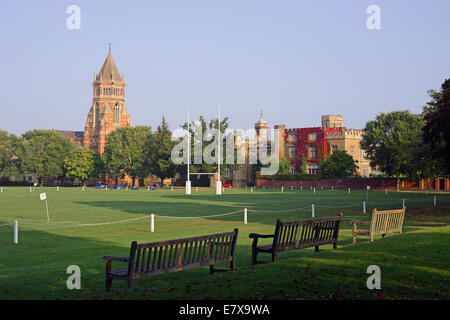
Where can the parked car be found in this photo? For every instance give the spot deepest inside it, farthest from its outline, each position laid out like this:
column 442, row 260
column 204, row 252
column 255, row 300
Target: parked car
column 227, row 185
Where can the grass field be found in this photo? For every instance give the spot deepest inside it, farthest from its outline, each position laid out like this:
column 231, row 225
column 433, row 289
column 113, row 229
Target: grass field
column 414, row 265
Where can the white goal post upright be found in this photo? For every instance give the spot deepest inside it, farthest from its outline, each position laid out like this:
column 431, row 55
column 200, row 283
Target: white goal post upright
column 188, row 181
column 219, row 183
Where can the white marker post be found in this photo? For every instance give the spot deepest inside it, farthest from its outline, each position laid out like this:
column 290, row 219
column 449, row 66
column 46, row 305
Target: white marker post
column 434, row 201
column 57, row 188
column 245, row 215
column 282, row 188
column 403, row 203
column 364, row 207
column 152, row 223
column 349, row 191
column 386, row 191
column 16, row 231
column 314, row 190
column 1, row 189
column 43, row 196
column 312, row 210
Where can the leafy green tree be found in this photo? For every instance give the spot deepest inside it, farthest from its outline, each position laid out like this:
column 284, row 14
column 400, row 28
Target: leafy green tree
column 82, row 164
column 338, row 165
column 213, row 124
column 160, row 152
column 9, row 154
column 390, row 140
column 43, row 153
column 436, row 131
column 284, row 166
column 125, row 152
column 304, row 165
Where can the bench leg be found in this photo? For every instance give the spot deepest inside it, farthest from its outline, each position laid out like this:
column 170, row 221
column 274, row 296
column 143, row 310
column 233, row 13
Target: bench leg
column 232, row 265
column 274, row 257
column 211, row 269
column 108, row 284
column 254, row 254
column 316, row 249
column 334, row 245
column 130, row 283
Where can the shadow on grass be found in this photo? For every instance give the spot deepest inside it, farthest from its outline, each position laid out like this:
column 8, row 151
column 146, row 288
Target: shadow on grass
column 413, row 265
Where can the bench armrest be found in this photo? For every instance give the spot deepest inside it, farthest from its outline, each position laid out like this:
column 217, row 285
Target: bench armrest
column 256, row 235
column 359, row 222
column 109, row 258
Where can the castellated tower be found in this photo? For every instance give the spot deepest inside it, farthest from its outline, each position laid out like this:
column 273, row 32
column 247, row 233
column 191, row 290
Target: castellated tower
column 332, row 121
column 108, row 111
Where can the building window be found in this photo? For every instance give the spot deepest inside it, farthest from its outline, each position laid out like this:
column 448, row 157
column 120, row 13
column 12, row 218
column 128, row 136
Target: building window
column 312, row 137
column 293, row 152
column 292, row 138
column 334, row 148
column 116, row 113
column 293, row 169
column 313, row 168
column 312, row 152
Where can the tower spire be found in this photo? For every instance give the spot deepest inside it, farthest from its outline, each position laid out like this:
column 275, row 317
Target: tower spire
column 109, row 47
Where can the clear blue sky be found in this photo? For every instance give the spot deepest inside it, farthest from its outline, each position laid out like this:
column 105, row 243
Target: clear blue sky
column 296, row 60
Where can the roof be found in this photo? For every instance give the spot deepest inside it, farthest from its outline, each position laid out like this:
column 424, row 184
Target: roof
column 109, row 71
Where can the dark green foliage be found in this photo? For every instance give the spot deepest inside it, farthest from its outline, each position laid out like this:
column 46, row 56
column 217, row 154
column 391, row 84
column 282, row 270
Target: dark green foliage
column 436, row 131
column 338, row 165
column 43, row 153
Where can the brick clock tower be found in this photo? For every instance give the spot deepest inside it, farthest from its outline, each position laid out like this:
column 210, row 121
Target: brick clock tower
column 108, row 111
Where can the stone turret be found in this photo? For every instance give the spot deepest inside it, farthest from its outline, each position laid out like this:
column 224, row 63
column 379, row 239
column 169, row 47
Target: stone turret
column 332, row 121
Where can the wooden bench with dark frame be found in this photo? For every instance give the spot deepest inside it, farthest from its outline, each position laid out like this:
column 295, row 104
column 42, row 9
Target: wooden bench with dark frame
column 148, row 259
column 300, row 234
column 381, row 223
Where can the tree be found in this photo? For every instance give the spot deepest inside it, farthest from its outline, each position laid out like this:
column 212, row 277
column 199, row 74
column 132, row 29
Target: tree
column 125, row 152
column 304, row 165
column 82, row 164
column 160, row 152
column 9, row 154
column 284, row 166
column 203, row 126
column 390, row 140
column 338, row 165
column 44, row 152
column 436, row 131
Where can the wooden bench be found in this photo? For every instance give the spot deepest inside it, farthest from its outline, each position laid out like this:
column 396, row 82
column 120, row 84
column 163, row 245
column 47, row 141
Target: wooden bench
column 148, row 259
column 297, row 235
column 382, row 222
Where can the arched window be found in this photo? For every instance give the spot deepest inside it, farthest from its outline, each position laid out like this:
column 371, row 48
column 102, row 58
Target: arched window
column 116, row 113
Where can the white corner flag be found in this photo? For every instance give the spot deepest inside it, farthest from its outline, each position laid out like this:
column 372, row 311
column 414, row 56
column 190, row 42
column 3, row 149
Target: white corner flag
column 43, row 196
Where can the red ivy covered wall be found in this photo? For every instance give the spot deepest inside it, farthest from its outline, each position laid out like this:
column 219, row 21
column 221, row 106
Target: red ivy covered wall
column 302, row 143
